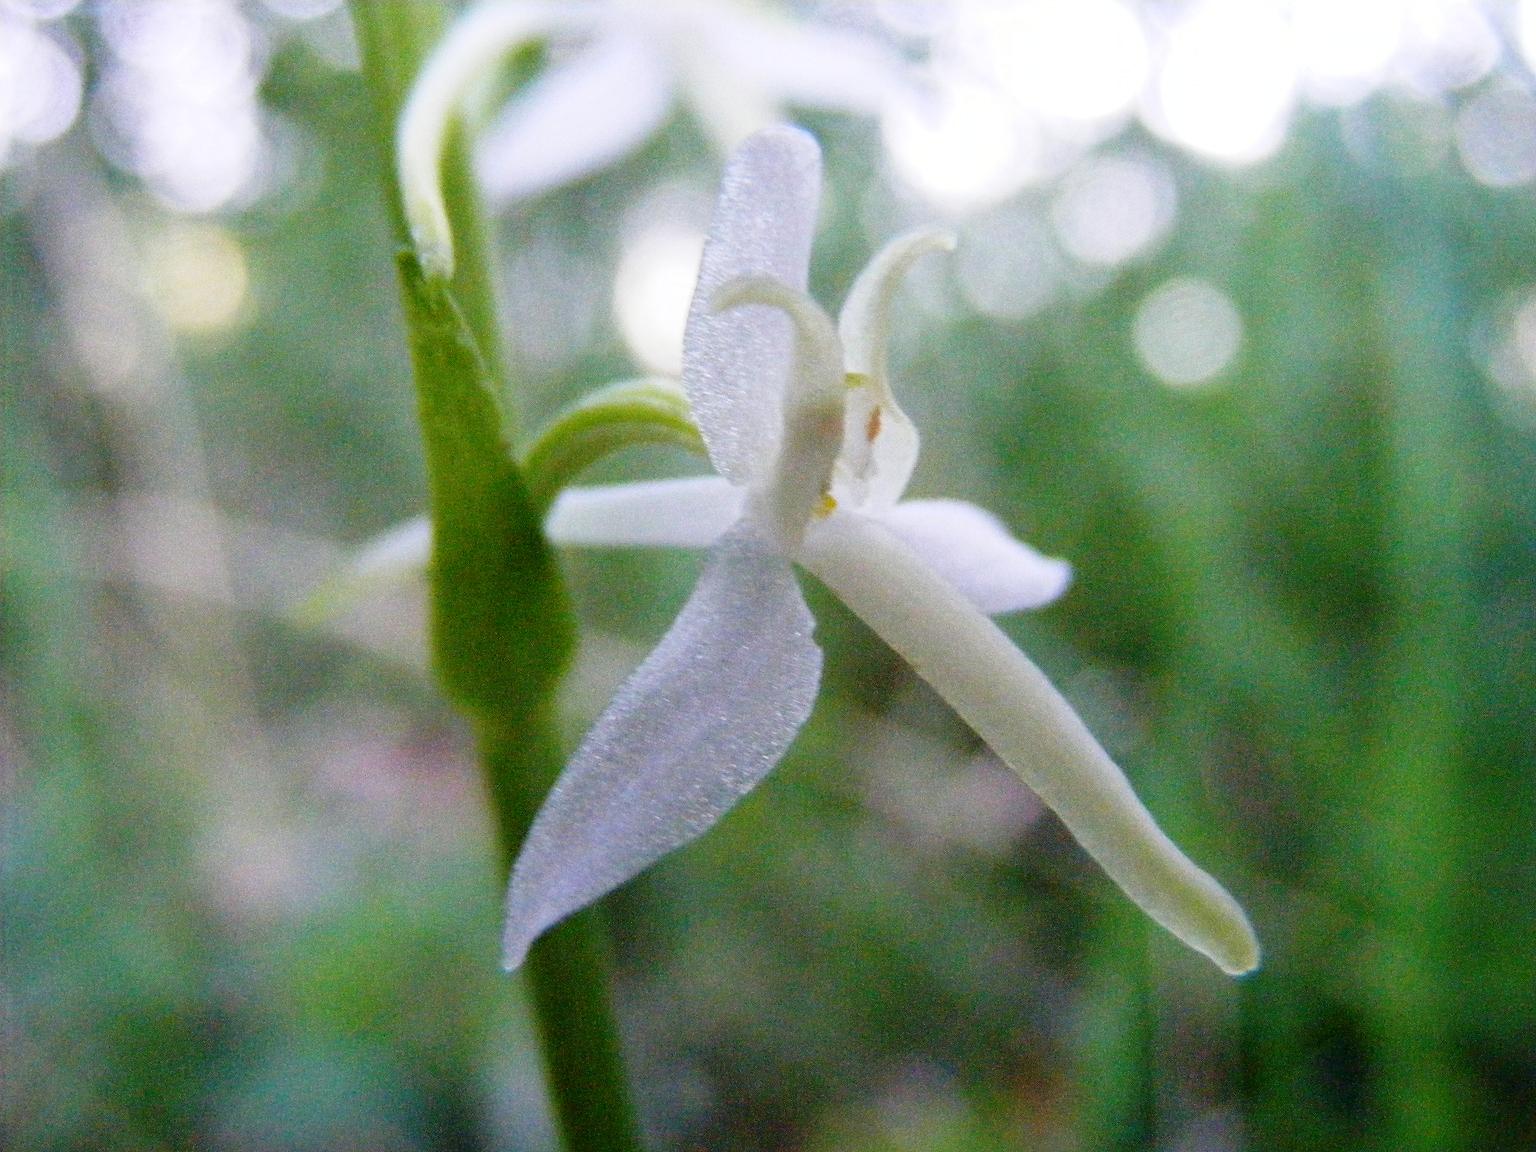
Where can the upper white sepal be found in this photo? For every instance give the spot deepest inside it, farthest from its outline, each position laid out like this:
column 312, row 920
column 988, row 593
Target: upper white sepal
column 736, row 363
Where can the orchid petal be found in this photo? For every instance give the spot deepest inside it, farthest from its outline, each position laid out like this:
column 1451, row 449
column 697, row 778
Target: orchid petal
column 692, row 512
column 864, row 324
column 1008, row 701
column 737, row 364
column 974, row 551
column 880, row 444
column 815, row 67
column 703, row 719
column 577, row 117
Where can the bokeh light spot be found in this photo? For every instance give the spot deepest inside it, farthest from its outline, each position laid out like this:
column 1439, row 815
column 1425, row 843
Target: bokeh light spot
column 1187, row 332
column 1448, row 44
column 1114, row 208
column 198, row 277
column 651, row 293
column 1073, row 59
column 1007, row 265
column 960, row 145
column 41, row 9
column 1508, row 351
column 1496, row 137
column 1228, row 82
column 303, row 9
column 1345, row 47
column 178, row 105
column 40, row 86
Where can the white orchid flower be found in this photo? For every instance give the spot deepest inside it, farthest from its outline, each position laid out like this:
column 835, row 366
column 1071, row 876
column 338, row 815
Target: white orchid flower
column 813, row 455
column 735, row 64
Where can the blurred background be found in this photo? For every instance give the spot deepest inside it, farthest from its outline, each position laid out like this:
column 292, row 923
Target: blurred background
column 1243, row 323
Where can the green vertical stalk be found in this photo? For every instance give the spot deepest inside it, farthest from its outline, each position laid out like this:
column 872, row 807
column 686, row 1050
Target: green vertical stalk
column 502, row 630
column 567, row 967
column 1414, row 755
column 1116, row 1109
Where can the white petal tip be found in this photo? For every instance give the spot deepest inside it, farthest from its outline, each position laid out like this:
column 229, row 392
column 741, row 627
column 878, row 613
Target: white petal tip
column 1211, row 922
column 1058, row 578
column 1239, row 955
column 431, row 236
column 514, row 951
column 975, row 552
column 436, row 259
column 1243, row 967
column 426, row 214
column 796, row 141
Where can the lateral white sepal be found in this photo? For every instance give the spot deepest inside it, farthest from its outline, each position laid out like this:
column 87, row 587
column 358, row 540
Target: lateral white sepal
column 701, row 721
column 692, row 512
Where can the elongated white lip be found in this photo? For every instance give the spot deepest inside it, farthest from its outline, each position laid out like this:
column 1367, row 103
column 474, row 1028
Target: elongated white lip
column 1009, row 702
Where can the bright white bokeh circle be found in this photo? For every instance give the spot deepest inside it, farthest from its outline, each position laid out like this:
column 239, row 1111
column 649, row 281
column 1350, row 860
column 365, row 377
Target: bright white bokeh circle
column 651, row 293
column 1187, row 332
column 1114, row 208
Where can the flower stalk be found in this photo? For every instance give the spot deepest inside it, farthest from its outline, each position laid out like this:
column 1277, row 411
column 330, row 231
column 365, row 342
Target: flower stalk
column 501, row 627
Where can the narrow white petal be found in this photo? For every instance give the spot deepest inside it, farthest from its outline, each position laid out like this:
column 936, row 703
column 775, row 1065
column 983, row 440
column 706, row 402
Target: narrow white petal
column 577, row 117
column 737, row 364
column 864, row 324
column 692, row 512
column 974, row 551
column 797, row 62
column 474, row 43
column 388, row 561
column 1008, row 701
column 706, row 717
column 880, row 444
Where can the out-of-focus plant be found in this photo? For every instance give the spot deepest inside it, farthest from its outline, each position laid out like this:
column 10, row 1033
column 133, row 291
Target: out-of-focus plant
column 740, row 66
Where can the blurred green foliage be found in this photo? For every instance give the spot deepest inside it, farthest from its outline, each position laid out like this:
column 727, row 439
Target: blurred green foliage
column 250, row 893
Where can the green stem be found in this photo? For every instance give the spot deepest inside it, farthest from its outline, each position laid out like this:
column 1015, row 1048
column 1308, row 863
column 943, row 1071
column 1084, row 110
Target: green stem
column 568, row 966
column 501, row 626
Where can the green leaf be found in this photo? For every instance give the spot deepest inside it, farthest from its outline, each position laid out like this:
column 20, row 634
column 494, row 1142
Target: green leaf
column 500, row 621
